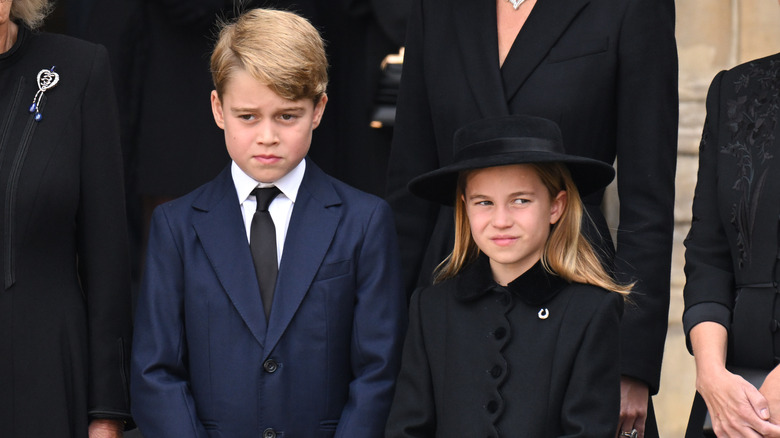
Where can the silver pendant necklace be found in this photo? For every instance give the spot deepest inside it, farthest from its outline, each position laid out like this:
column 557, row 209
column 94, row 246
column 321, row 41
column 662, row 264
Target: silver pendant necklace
column 516, row 3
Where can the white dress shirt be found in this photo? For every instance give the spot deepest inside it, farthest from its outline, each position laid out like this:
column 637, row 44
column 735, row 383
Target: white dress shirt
column 280, row 209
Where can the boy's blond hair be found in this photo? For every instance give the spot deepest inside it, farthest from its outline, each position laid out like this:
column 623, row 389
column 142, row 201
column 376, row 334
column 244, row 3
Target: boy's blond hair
column 280, row 49
column 567, row 253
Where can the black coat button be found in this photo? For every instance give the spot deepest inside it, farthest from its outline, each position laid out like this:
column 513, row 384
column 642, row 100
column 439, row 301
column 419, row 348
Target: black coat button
column 492, row 406
column 496, row 372
column 499, row 333
column 270, row 366
column 269, row 433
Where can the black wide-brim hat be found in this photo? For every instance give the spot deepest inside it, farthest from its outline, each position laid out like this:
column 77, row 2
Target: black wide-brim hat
column 504, row 141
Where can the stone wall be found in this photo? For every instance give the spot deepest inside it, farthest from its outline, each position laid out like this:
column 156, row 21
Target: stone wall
column 712, row 35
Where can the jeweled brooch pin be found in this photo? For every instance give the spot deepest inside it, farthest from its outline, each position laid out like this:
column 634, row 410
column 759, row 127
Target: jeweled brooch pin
column 47, row 79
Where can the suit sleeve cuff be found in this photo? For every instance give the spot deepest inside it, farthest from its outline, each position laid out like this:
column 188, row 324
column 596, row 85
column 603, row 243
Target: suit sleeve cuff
column 702, row 312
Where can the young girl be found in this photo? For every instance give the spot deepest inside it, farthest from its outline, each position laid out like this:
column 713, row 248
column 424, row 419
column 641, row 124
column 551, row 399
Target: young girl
column 518, row 337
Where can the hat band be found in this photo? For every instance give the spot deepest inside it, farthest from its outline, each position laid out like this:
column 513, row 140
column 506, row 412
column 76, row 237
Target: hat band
column 505, row 146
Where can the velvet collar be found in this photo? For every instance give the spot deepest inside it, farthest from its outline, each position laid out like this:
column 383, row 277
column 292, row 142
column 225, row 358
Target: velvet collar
column 534, row 287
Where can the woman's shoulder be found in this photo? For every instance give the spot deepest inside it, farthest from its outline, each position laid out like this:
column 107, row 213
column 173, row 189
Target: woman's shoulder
column 767, row 60
column 768, row 65
column 64, row 49
column 60, row 41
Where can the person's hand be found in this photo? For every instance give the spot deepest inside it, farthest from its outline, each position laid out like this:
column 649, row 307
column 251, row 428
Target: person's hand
column 102, row 428
column 736, row 407
column 634, row 395
column 770, row 389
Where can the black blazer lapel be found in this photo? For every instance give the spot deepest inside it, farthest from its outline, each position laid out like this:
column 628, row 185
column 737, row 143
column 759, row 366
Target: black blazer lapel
column 548, row 21
column 312, row 226
column 220, row 229
column 477, row 38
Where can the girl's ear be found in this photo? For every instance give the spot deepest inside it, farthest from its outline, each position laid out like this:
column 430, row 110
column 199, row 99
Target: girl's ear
column 558, row 206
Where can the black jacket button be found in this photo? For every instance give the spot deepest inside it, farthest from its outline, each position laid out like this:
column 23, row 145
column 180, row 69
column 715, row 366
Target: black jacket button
column 270, row 366
column 499, row 333
column 269, row 433
column 492, row 406
column 496, row 372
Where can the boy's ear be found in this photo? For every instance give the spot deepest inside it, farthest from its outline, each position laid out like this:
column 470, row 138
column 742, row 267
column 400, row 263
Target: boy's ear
column 319, row 110
column 558, row 206
column 216, row 109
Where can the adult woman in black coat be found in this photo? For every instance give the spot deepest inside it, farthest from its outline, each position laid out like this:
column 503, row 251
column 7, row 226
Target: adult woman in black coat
column 606, row 72
column 65, row 322
column 731, row 259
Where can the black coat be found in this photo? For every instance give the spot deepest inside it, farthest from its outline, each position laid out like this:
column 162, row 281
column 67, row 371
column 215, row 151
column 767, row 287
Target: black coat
column 732, row 247
column 65, row 302
column 358, row 35
column 480, row 361
column 606, row 72
column 178, row 146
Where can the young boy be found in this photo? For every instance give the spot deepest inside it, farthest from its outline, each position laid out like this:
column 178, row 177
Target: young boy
column 216, row 353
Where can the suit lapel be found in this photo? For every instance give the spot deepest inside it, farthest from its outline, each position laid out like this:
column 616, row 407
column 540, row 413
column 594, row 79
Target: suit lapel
column 475, row 30
column 548, row 21
column 220, row 229
column 313, row 224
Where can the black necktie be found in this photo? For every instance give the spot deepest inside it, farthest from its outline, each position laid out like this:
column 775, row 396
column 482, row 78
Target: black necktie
column 262, row 242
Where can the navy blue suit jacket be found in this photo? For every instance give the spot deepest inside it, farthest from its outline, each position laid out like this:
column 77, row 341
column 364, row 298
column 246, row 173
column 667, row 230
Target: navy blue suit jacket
column 205, row 361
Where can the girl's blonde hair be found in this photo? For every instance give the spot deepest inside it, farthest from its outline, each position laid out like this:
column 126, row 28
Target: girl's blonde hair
column 30, row 12
column 566, row 253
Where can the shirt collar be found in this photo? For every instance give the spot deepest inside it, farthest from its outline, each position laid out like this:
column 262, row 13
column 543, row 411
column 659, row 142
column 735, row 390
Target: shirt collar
column 534, row 287
column 288, row 184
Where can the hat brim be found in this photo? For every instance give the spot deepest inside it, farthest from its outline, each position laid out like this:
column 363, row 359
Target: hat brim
column 439, row 185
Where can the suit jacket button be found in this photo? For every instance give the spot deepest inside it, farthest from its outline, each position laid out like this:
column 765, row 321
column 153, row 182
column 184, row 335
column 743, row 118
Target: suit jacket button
column 269, row 433
column 270, row 366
